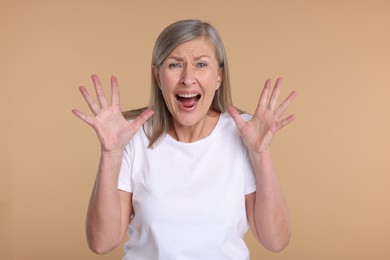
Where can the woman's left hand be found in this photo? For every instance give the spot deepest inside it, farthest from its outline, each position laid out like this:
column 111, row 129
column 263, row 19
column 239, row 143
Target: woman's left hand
column 258, row 132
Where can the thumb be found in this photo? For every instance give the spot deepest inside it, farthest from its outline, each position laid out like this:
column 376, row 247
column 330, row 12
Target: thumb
column 236, row 116
column 141, row 119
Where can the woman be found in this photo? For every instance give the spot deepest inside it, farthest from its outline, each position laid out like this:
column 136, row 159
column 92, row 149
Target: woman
column 185, row 176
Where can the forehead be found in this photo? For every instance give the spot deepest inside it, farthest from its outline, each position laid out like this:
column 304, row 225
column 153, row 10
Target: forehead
column 195, row 48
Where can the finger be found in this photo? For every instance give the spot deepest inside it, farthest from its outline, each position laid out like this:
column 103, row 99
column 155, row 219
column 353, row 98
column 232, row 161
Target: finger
column 285, row 122
column 91, row 103
column 99, row 91
column 236, row 116
column 275, row 94
column 84, row 117
column 264, row 95
column 141, row 119
column 115, row 99
column 280, row 110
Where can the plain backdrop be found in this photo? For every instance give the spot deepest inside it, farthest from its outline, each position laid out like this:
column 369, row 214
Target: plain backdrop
column 332, row 162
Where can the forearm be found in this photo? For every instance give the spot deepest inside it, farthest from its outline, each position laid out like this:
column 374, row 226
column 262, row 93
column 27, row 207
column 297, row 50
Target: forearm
column 103, row 223
column 271, row 214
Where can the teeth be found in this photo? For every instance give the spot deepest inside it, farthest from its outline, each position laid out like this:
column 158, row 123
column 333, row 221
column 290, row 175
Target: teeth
column 187, row 95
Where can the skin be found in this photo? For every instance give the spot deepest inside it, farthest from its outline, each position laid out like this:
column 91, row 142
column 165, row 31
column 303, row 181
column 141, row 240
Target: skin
column 110, row 209
column 267, row 210
column 191, row 68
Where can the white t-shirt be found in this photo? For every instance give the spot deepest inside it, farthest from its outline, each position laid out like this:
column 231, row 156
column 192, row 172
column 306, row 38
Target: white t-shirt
column 188, row 198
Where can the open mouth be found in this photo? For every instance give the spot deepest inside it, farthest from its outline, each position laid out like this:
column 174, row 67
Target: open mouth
column 188, row 100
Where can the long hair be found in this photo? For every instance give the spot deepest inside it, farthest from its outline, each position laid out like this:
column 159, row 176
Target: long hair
column 170, row 38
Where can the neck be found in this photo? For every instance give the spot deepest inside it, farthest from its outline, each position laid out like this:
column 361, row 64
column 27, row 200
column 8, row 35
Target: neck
column 189, row 134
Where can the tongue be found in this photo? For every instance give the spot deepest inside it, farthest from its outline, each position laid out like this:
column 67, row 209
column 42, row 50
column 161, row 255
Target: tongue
column 189, row 102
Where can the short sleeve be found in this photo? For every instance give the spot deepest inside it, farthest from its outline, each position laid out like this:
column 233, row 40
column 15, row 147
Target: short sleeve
column 249, row 177
column 124, row 181
column 249, row 174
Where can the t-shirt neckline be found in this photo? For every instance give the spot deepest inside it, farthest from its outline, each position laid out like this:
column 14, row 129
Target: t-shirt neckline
column 204, row 139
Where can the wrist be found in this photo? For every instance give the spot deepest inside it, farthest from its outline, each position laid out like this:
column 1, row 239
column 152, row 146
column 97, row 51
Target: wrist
column 112, row 153
column 260, row 157
column 262, row 152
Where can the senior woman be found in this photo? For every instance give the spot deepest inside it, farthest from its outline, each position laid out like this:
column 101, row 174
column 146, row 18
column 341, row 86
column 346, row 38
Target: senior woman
column 185, row 176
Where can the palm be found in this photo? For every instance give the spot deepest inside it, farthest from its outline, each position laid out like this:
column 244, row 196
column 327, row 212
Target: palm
column 112, row 129
column 258, row 132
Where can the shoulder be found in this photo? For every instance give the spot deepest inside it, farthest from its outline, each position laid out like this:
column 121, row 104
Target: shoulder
column 246, row 116
column 227, row 127
column 227, row 118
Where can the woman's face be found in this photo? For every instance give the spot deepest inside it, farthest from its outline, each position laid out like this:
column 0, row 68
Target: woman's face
column 188, row 79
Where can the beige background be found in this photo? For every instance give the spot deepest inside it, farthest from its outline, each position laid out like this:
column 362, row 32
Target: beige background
column 333, row 162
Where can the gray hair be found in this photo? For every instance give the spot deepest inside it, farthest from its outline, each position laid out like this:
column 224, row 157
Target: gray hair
column 171, row 37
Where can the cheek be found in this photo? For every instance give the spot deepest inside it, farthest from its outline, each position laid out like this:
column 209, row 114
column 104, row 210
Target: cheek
column 167, row 82
column 166, row 86
column 213, row 84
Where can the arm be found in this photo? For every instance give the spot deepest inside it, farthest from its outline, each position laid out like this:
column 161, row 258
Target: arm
column 267, row 210
column 109, row 209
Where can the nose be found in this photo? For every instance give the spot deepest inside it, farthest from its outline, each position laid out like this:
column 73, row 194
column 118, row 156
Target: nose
column 188, row 77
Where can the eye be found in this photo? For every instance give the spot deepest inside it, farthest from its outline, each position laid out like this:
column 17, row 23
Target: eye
column 174, row 65
column 201, row 64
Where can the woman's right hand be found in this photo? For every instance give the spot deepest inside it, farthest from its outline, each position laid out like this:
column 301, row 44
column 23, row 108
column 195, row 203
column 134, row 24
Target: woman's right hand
column 113, row 130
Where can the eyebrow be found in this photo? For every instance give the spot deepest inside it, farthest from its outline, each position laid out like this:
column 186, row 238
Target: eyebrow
column 195, row 58
column 202, row 56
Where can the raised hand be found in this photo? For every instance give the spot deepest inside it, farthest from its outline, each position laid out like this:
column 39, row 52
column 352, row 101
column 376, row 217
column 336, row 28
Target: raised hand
column 113, row 130
column 258, row 132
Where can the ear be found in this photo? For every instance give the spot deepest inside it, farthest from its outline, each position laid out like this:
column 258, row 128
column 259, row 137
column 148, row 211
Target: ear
column 156, row 75
column 219, row 79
